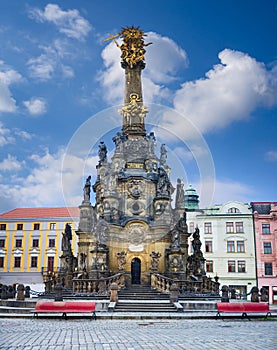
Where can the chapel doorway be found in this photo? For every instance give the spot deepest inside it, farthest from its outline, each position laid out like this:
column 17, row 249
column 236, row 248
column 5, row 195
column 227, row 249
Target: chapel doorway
column 135, row 270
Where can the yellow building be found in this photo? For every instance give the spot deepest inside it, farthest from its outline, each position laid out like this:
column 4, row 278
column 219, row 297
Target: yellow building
column 30, row 242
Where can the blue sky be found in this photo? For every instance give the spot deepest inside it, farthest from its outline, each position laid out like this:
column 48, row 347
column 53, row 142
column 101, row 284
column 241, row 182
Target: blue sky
column 211, row 70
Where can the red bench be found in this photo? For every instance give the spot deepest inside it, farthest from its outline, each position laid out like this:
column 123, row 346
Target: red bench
column 243, row 308
column 65, row 307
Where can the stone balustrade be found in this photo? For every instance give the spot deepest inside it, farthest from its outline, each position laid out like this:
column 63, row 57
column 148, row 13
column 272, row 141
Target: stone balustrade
column 200, row 287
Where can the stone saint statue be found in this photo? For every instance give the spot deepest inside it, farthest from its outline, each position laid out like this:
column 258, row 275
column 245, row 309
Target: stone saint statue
column 175, row 238
column 83, row 263
column 87, row 190
column 163, row 185
column 102, row 152
column 180, row 195
column 66, row 239
column 155, row 260
column 163, row 154
column 121, row 260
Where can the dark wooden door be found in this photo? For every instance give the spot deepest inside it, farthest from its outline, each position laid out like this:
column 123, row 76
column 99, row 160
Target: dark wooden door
column 135, row 270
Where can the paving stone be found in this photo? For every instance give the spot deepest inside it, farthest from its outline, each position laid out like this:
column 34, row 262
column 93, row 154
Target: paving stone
column 28, row 334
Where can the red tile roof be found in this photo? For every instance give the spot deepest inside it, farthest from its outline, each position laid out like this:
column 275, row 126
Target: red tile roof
column 26, row 213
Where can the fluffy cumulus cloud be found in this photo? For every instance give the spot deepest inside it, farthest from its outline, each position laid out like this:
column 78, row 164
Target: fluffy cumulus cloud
column 51, row 62
column 163, row 60
column 6, row 136
column 69, row 22
column 35, row 106
column 46, row 182
column 229, row 92
column 11, row 164
column 8, row 77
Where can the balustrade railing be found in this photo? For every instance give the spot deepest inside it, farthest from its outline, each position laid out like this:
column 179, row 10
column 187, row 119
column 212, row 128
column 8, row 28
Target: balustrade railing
column 203, row 287
column 99, row 286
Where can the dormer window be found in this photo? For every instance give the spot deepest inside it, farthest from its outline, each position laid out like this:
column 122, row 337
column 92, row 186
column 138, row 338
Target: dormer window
column 233, row 210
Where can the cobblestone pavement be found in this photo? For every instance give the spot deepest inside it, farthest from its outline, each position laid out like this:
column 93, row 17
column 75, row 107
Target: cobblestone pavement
column 41, row 334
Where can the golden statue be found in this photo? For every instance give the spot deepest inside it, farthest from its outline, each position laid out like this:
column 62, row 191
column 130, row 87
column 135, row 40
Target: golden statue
column 132, row 48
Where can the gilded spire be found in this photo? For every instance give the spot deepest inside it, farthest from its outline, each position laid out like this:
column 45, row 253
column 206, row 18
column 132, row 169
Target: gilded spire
column 132, row 61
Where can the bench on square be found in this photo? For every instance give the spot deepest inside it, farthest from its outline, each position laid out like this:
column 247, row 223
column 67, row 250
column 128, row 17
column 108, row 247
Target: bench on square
column 243, row 308
column 65, row 307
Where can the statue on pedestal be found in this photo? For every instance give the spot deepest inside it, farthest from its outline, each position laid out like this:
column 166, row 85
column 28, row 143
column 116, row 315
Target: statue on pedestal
column 155, row 261
column 87, row 190
column 66, row 240
column 102, row 152
column 121, row 260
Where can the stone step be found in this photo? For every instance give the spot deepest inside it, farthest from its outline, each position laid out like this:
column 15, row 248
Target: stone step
column 144, row 307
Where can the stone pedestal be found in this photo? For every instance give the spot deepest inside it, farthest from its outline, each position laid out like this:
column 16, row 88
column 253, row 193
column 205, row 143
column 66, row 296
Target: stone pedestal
column 4, row 294
column 174, row 261
column 174, row 293
column 114, row 292
column 58, row 292
column 20, row 292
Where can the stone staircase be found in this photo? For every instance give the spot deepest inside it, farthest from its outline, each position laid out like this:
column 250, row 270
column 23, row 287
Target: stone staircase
column 139, row 298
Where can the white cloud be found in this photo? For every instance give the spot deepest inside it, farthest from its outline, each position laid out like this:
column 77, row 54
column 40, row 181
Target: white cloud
column 36, row 105
column 11, row 164
column 45, row 185
column 5, row 136
column 50, row 62
column 271, row 156
column 229, row 92
column 226, row 190
column 69, row 22
column 24, row 135
column 67, row 71
column 42, row 67
column 163, row 60
column 7, row 77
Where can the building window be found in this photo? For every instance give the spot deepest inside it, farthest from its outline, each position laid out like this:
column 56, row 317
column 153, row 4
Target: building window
column 52, row 226
column 50, row 263
column 18, row 243
column 241, row 266
column 209, row 266
column 19, row 227
column 35, row 243
column 1, row 262
column 36, row 226
column 230, row 246
column 2, row 243
column 268, row 269
column 208, row 246
column 3, row 227
column 266, row 229
column 231, row 266
column 239, row 227
column 240, row 247
column 233, row 210
column 34, row 261
column 229, row 227
column 208, row 227
column 191, row 227
column 52, row 242
column 17, row 261
column 267, row 248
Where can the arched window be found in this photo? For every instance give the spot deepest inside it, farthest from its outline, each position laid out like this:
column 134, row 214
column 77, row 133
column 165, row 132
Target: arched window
column 233, row 210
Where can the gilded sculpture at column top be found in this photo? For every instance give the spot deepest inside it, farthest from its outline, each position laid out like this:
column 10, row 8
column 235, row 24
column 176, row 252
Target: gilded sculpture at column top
column 132, row 48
